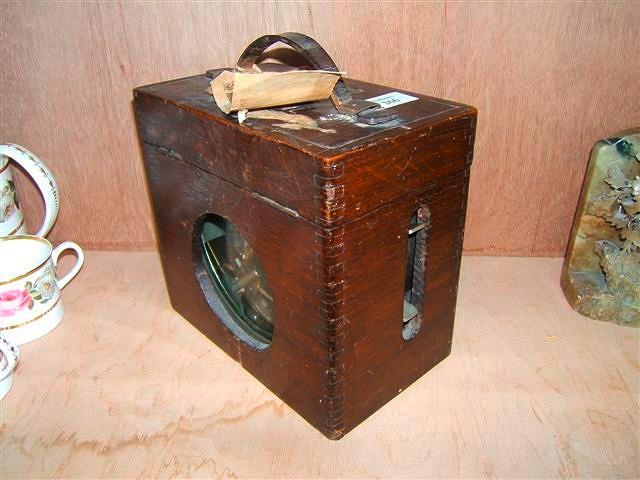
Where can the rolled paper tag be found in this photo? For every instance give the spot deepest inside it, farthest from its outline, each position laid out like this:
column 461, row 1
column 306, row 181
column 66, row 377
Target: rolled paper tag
column 234, row 90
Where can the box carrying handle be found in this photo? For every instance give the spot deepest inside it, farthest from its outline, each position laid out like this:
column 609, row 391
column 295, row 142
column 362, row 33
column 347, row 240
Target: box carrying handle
column 316, row 56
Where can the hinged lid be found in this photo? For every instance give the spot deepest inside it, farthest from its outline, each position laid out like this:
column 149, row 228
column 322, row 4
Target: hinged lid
column 336, row 133
column 312, row 159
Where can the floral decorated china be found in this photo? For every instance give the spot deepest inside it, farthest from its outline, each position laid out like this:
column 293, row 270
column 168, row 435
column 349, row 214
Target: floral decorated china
column 8, row 359
column 11, row 219
column 30, row 302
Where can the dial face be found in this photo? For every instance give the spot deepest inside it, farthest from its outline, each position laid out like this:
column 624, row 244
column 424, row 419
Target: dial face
column 238, row 278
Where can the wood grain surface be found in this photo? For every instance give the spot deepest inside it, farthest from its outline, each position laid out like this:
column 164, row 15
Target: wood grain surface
column 126, row 388
column 548, row 78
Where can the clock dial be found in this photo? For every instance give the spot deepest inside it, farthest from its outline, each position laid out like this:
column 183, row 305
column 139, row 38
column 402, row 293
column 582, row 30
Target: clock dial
column 238, row 277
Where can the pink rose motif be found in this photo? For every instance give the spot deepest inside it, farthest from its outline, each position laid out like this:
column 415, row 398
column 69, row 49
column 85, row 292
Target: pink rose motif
column 12, row 301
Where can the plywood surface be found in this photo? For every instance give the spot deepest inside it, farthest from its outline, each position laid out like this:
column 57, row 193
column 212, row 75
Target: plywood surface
column 548, row 78
column 126, row 388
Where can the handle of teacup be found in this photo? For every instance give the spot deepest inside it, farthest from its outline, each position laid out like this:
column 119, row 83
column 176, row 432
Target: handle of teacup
column 62, row 282
column 11, row 353
column 44, row 180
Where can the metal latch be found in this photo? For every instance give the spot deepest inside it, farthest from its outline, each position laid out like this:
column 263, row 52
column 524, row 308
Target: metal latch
column 417, row 227
column 366, row 112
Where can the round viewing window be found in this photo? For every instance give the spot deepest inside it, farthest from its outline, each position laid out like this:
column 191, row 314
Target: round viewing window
column 238, row 280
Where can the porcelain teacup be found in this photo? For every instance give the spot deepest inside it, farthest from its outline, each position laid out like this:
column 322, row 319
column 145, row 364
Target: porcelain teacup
column 8, row 360
column 30, row 303
column 11, row 219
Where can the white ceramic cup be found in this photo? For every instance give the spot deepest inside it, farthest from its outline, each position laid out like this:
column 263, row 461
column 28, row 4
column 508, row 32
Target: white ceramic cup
column 30, row 303
column 11, row 218
column 8, row 360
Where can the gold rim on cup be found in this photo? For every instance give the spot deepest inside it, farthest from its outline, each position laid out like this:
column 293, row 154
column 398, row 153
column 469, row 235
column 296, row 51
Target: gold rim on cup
column 34, row 319
column 27, row 237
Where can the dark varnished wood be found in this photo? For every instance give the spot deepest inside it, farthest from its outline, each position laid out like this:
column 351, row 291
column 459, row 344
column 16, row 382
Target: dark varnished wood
column 333, row 246
column 302, row 169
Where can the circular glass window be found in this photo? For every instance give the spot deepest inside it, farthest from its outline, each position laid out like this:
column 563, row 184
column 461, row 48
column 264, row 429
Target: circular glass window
column 238, row 279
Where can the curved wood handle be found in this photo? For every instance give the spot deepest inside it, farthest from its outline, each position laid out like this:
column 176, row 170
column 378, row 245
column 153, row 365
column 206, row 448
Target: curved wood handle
column 306, row 46
column 365, row 111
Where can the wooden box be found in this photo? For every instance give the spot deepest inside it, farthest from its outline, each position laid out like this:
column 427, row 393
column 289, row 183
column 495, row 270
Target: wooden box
column 359, row 307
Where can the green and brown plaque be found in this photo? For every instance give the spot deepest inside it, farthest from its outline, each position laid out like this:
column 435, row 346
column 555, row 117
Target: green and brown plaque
column 601, row 271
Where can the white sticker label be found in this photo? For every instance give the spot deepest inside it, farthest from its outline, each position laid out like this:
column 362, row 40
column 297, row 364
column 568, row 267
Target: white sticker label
column 392, row 99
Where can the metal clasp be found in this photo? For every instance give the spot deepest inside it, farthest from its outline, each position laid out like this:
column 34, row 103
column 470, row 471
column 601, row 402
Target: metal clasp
column 366, row 112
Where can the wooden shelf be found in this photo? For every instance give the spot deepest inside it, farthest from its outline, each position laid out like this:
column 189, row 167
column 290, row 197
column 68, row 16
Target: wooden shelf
column 125, row 387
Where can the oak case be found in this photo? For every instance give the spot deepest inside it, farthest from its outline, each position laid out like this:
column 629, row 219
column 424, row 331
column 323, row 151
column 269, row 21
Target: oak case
column 327, row 214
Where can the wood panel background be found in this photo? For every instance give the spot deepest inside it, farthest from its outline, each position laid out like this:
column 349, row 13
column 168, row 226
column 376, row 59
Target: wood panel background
column 548, row 79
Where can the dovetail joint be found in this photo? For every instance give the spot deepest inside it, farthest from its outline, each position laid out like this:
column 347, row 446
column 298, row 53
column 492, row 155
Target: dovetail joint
column 332, row 330
column 329, row 196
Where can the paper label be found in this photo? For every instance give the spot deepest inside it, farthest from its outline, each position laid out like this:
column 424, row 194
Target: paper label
column 392, row 99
